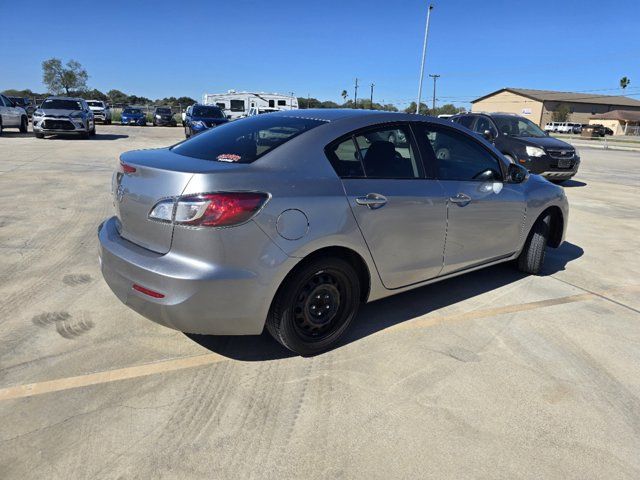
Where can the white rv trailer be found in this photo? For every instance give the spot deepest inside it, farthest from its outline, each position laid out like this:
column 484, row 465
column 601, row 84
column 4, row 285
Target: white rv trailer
column 242, row 104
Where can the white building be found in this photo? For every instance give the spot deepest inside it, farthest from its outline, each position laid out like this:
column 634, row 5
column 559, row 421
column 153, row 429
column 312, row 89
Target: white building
column 242, row 104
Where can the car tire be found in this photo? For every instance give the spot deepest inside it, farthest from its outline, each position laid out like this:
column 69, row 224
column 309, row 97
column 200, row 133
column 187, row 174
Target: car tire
column 327, row 286
column 24, row 125
column 93, row 131
column 532, row 256
column 39, row 135
column 0, row 124
column 186, row 132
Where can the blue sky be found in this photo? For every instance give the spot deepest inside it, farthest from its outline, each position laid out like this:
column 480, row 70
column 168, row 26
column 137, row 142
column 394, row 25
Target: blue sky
column 173, row 48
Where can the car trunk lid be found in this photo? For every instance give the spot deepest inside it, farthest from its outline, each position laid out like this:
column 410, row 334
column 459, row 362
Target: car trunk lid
column 159, row 174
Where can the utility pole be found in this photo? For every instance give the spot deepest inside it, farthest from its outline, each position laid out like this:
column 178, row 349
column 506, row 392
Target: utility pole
column 433, row 104
column 308, row 100
column 291, row 101
column 371, row 105
column 355, row 96
column 424, row 54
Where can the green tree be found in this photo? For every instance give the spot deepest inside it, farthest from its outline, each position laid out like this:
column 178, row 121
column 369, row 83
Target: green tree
column 412, row 108
column 64, row 78
column 624, row 82
column 118, row 97
column 562, row 113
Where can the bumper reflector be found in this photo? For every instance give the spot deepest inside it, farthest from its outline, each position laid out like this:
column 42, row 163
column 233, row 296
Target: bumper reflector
column 147, row 291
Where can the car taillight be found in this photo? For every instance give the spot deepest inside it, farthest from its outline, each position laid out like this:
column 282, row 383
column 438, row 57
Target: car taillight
column 125, row 168
column 210, row 210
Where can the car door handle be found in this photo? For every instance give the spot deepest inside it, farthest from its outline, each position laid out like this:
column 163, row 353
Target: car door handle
column 461, row 199
column 372, row 200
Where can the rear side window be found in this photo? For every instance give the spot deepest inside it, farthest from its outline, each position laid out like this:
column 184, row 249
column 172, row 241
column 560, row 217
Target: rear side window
column 380, row 153
column 246, row 140
column 460, row 157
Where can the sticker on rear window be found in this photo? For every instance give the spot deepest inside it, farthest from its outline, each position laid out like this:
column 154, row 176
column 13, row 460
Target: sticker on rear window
column 228, row 157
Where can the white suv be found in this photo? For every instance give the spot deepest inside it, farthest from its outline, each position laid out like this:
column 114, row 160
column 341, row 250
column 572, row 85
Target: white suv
column 12, row 116
column 100, row 110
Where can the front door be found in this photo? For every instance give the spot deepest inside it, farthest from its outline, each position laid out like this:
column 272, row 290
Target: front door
column 400, row 212
column 484, row 215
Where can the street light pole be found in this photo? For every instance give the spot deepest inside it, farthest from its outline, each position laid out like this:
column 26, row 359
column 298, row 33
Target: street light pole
column 355, row 96
column 371, row 104
column 424, row 54
column 433, row 104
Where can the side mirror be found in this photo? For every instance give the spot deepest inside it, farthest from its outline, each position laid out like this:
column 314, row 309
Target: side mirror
column 488, row 135
column 517, row 173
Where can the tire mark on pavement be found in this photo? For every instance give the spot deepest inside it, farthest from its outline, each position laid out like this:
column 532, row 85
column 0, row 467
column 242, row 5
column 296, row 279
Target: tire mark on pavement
column 49, row 386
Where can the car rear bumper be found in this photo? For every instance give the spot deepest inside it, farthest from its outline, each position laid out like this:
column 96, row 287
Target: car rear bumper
column 199, row 296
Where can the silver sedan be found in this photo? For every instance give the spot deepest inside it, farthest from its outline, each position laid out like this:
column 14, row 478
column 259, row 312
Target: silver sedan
column 293, row 219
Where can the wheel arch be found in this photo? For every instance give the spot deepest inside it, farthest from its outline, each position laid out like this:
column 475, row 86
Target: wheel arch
column 556, row 227
column 351, row 256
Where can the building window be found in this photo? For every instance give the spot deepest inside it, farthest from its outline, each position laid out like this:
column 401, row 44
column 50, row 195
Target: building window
column 221, row 105
column 272, row 103
column 282, row 103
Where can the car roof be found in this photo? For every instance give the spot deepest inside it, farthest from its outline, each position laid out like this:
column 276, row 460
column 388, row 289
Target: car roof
column 345, row 114
column 55, row 97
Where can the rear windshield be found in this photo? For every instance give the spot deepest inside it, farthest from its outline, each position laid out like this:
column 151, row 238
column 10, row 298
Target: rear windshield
column 209, row 112
column 246, row 140
column 56, row 104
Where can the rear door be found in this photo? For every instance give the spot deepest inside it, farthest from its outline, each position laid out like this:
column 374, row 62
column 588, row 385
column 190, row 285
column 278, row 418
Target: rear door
column 484, row 214
column 401, row 213
column 10, row 114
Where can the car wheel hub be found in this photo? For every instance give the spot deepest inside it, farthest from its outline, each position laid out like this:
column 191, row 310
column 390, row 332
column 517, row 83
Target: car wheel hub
column 317, row 304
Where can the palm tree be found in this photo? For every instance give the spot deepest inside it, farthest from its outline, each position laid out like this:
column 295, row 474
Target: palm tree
column 344, row 95
column 624, row 82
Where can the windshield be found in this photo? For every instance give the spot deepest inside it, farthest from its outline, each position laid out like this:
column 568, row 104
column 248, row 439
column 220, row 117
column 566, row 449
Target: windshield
column 209, row 112
column 95, row 104
column 19, row 100
column 163, row 110
column 132, row 111
column 58, row 104
column 244, row 141
column 518, row 127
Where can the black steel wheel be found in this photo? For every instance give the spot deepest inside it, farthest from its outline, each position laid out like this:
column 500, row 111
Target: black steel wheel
column 315, row 305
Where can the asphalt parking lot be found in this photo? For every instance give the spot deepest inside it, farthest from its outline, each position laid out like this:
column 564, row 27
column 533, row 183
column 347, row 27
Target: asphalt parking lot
column 489, row 375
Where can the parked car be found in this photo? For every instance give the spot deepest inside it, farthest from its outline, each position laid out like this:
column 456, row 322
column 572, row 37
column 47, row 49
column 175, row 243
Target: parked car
column 12, row 115
column 199, row 118
column 163, row 116
column 293, row 219
column 64, row 115
column 133, row 116
column 523, row 142
column 101, row 111
column 599, row 130
column 25, row 103
column 551, row 126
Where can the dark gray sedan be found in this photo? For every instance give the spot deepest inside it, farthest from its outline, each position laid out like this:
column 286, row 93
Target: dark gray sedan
column 293, row 219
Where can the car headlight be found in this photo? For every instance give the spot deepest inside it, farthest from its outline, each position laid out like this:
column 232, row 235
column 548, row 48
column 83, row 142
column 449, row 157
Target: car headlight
column 535, row 152
column 198, row 124
column 38, row 113
column 158, row 117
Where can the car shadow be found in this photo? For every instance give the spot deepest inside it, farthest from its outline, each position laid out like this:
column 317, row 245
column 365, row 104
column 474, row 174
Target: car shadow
column 390, row 311
column 16, row 134
column 573, row 183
